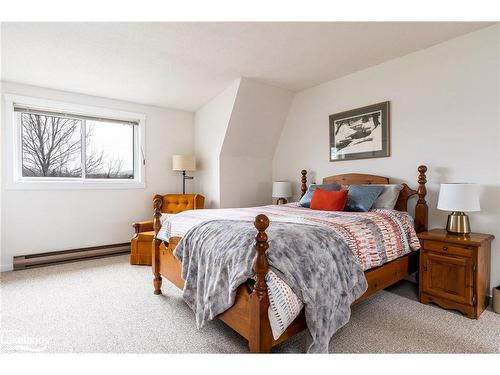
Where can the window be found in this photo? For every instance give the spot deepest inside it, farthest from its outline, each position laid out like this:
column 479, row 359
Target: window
column 64, row 145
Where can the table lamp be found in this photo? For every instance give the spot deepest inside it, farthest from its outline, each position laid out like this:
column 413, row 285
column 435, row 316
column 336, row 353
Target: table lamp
column 184, row 163
column 458, row 198
column 282, row 190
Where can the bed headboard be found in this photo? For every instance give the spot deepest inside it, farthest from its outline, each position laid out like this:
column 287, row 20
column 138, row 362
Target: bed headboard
column 421, row 209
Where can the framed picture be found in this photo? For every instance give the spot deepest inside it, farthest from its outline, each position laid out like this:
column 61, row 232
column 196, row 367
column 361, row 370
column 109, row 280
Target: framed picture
column 360, row 133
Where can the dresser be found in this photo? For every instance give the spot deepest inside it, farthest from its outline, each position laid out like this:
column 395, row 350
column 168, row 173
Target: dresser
column 455, row 270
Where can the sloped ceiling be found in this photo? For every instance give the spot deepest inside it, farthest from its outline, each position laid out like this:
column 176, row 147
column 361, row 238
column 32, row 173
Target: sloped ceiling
column 183, row 65
column 253, row 132
column 257, row 119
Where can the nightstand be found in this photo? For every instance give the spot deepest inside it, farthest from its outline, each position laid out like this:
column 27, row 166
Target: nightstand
column 455, row 270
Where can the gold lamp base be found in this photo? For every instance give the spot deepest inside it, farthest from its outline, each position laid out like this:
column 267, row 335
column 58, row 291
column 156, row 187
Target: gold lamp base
column 458, row 222
column 281, row 201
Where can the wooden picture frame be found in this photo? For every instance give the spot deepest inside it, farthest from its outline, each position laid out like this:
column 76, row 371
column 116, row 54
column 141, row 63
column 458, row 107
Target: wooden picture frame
column 360, row 133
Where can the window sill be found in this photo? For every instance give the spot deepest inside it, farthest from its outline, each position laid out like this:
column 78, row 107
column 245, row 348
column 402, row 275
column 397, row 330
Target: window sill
column 74, row 185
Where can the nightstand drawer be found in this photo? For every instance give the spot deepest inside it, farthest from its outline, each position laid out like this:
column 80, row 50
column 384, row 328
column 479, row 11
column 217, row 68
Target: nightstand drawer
column 446, row 248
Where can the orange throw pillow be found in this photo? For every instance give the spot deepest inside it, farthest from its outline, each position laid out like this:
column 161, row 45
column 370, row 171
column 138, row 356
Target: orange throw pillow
column 327, row 200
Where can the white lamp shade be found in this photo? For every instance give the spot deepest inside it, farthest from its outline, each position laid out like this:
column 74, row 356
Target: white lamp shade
column 183, row 163
column 282, row 189
column 458, row 197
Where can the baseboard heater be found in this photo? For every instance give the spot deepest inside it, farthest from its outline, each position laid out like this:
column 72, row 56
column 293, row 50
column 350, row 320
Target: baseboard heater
column 65, row 256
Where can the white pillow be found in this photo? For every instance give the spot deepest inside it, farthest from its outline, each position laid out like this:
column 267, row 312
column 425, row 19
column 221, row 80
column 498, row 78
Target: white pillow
column 388, row 198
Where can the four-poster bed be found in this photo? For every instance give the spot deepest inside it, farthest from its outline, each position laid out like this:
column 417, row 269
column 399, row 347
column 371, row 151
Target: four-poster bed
column 249, row 313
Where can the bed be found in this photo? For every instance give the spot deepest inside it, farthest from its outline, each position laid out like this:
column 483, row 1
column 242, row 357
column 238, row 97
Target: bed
column 248, row 315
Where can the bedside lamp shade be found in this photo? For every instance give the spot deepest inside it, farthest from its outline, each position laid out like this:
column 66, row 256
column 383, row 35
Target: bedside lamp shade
column 183, row 163
column 282, row 189
column 458, row 197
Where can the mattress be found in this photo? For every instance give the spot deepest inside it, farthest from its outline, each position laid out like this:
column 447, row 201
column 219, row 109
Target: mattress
column 375, row 237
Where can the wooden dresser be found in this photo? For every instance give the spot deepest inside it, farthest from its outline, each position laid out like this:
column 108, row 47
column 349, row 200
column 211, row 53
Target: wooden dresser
column 455, row 271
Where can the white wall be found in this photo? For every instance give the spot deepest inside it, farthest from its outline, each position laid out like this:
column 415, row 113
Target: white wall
column 235, row 138
column 211, row 122
column 1, row 151
column 39, row 221
column 254, row 129
column 245, row 181
column 444, row 113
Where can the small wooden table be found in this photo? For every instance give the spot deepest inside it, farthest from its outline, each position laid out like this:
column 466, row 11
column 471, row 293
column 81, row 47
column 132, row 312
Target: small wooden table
column 455, row 270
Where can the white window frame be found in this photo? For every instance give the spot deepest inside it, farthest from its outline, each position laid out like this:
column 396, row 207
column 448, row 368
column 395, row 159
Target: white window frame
column 12, row 157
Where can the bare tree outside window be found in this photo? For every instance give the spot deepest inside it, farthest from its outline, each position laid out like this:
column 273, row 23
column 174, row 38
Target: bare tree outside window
column 51, row 147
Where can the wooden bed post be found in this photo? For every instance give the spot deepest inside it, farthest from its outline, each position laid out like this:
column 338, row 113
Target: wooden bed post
column 303, row 187
column 155, row 264
column 421, row 209
column 260, row 339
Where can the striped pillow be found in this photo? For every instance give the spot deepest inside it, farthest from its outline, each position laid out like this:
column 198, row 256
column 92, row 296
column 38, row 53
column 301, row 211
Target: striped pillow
column 284, row 305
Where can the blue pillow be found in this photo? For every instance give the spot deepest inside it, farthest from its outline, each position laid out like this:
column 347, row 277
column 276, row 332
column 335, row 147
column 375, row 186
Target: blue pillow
column 305, row 201
column 362, row 197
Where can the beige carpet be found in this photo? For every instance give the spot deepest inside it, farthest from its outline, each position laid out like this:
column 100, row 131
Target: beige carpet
column 106, row 305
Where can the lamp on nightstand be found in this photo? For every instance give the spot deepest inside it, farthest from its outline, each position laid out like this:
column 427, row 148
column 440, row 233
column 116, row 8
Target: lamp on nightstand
column 282, row 190
column 184, row 163
column 458, row 198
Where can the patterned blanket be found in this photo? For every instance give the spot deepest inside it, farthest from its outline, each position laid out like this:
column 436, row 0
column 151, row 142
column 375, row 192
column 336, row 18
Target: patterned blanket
column 320, row 268
column 374, row 237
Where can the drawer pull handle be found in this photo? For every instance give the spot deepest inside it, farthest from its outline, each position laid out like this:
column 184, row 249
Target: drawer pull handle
column 445, row 248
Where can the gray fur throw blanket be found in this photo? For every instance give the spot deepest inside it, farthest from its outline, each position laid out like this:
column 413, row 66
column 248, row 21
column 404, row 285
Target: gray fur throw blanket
column 318, row 266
